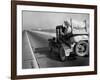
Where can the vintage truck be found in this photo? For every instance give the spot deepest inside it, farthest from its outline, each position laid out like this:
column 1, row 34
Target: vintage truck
column 76, row 42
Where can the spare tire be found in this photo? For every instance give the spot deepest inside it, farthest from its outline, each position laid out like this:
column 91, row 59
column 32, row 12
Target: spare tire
column 82, row 48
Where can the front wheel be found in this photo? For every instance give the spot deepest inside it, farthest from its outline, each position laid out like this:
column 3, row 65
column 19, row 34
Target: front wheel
column 62, row 54
column 81, row 48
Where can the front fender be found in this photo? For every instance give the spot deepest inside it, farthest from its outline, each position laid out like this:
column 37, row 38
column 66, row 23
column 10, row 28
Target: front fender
column 78, row 38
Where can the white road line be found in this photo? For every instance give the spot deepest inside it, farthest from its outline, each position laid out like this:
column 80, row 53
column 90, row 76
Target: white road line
column 45, row 33
column 34, row 59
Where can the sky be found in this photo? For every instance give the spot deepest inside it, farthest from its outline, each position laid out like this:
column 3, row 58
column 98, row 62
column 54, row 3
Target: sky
column 49, row 20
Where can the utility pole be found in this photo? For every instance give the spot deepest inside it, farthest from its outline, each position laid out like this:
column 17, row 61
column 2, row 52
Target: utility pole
column 71, row 24
column 85, row 25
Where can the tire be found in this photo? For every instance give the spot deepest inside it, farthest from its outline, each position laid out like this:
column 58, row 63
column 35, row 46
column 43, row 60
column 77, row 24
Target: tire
column 50, row 47
column 50, row 50
column 62, row 54
column 81, row 48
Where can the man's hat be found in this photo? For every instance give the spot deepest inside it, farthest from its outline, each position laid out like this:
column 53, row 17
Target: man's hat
column 66, row 23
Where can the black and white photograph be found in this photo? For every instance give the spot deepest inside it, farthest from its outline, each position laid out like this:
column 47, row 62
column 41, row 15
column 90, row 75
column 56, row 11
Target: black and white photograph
column 54, row 39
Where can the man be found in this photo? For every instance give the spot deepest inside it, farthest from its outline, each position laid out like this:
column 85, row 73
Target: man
column 67, row 29
column 63, row 32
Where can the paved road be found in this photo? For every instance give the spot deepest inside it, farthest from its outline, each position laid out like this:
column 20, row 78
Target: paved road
column 26, row 52
column 39, row 44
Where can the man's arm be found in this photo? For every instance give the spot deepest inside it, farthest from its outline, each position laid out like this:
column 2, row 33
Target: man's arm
column 61, row 32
